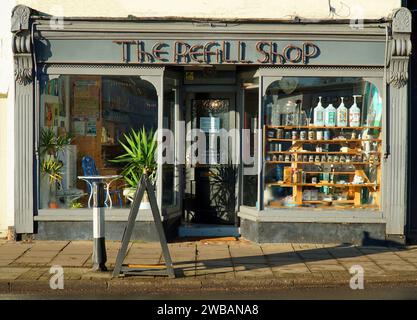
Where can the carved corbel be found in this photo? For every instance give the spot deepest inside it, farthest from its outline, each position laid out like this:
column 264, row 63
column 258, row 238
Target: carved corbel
column 400, row 48
column 21, row 45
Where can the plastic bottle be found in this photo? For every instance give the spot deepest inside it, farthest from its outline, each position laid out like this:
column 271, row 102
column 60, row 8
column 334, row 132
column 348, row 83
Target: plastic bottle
column 341, row 115
column 330, row 116
column 354, row 113
column 319, row 114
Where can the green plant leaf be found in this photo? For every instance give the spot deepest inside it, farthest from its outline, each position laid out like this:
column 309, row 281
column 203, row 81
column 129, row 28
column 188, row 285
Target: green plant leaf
column 139, row 157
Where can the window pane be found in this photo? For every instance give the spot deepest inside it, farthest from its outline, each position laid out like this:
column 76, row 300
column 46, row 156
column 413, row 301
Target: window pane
column 168, row 168
column 249, row 148
column 322, row 143
column 97, row 112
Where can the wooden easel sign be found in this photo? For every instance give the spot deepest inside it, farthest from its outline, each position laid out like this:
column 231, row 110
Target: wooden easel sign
column 119, row 269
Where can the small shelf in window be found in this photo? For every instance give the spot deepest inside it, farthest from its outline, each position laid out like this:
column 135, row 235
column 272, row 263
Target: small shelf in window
column 321, row 152
column 322, row 127
column 319, row 185
column 321, row 162
column 333, row 141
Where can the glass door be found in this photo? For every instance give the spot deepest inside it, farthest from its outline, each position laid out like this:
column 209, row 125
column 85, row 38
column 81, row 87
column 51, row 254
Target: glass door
column 212, row 175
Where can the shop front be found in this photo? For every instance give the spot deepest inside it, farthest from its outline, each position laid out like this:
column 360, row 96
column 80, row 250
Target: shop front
column 278, row 132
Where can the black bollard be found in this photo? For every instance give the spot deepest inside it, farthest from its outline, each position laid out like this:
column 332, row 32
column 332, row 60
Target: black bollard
column 99, row 245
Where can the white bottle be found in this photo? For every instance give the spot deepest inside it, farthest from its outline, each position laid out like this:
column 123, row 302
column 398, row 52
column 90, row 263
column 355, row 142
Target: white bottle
column 319, row 114
column 341, row 115
column 330, row 116
column 355, row 113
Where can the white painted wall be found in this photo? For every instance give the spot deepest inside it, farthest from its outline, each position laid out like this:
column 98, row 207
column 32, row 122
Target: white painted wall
column 268, row 9
column 6, row 119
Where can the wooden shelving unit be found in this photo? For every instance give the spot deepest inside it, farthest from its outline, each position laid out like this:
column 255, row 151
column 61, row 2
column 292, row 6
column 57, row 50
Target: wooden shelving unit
column 355, row 147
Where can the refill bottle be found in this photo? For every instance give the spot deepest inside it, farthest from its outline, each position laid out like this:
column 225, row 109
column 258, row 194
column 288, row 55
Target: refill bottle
column 330, row 116
column 319, row 114
column 342, row 115
column 354, row 113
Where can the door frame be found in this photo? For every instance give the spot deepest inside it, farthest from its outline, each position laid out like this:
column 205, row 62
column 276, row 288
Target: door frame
column 218, row 91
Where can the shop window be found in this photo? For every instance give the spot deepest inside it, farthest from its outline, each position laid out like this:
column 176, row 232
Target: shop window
column 250, row 147
column 87, row 117
column 322, row 143
column 169, row 180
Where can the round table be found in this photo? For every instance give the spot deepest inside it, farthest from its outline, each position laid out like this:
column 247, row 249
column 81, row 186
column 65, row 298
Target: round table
column 107, row 180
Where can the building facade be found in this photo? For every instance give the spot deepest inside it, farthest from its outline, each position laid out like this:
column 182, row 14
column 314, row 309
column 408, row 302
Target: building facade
column 276, row 129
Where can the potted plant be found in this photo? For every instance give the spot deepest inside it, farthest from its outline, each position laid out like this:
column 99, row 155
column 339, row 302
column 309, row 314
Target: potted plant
column 50, row 146
column 139, row 159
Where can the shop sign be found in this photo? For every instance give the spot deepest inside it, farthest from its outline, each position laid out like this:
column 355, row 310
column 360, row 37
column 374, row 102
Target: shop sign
column 216, row 52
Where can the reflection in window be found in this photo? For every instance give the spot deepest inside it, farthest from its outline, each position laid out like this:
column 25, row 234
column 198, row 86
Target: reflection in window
column 249, row 148
column 322, row 143
column 168, row 168
column 94, row 112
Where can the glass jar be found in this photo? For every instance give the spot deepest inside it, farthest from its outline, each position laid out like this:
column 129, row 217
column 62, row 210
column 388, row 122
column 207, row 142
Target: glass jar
column 319, row 135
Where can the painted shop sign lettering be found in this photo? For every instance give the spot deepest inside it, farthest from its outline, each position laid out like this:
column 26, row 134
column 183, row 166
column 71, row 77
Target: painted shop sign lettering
column 216, row 52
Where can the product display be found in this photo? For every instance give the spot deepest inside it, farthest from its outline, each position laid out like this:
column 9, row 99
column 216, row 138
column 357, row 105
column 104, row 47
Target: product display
column 354, row 113
column 332, row 162
column 330, row 116
column 342, row 115
column 319, row 114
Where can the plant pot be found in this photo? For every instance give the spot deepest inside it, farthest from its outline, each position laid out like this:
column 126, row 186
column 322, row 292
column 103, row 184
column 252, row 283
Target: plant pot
column 53, row 205
column 44, row 192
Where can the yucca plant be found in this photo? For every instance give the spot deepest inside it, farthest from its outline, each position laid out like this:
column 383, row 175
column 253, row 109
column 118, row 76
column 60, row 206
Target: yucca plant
column 50, row 145
column 139, row 157
column 52, row 168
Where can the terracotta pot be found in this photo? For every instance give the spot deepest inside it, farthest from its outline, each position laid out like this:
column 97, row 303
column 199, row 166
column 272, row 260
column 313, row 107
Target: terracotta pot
column 53, row 205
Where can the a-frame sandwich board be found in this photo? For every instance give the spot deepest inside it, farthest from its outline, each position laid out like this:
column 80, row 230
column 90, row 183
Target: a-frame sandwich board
column 144, row 184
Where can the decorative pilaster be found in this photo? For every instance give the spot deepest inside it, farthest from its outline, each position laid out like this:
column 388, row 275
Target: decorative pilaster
column 23, row 120
column 21, row 45
column 395, row 172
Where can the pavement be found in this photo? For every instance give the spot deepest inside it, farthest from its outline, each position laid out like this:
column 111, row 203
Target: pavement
column 224, row 264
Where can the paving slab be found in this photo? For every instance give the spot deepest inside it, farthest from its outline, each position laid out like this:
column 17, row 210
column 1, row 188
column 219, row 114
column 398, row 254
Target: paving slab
column 385, row 257
column 412, row 255
column 412, row 260
column 315, row 255
column 33, row 274
column 355, row 259
column 219, row 270
column 40, row 254
column 304, row 246
column 239, row 252
column 141, row 260
column 77, row 249
column 282, row 256
column 31, row 262
column 292, row 268
column 7, row 273
column 70, row 260
column 264, row 272
column 250, row 260
column 5, row 262
column 216, row 263
column 370, row 268
column 320, row 267
column 400, row 267
column 277, row 247
column 49, row 245
column 16, row 246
